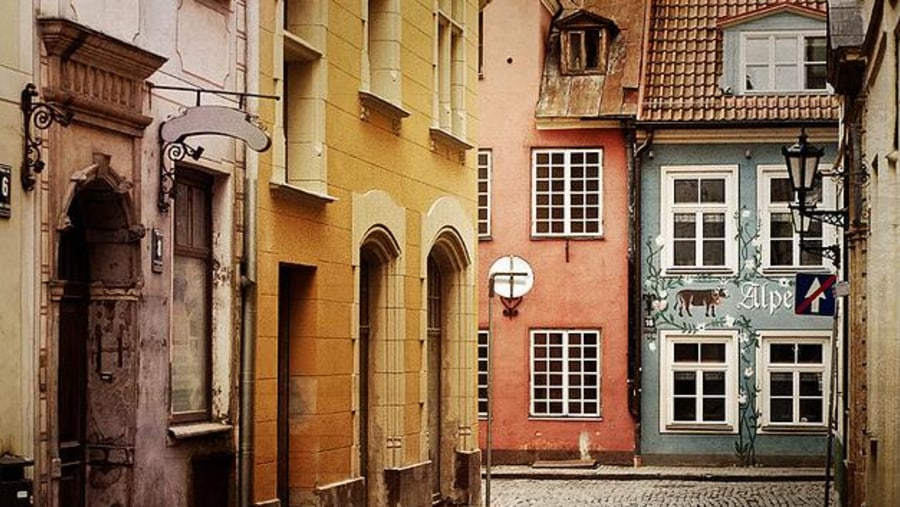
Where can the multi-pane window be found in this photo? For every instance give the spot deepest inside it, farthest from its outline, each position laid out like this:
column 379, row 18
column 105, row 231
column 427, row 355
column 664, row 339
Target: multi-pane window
column 485, row 170
column 783, row 62
column 782, row 244
column 483, row 358
column 698, row 375
column 565, row 373
column 567, row 188
column 795, row 380
column 191, row 298
column 698, row 218
column 450, row 68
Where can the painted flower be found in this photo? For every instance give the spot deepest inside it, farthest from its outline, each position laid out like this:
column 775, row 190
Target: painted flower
column 750, row 264
column 701, row 326
column 742, row 399
column 757, row 241
column 742, row 338
column 648, row 283
column 660, row 241
column 745, row 213
column 729, row 321
column 652, row 346
column 748, row 372
column 662, row 294
column 660, row 304
column 784, row 282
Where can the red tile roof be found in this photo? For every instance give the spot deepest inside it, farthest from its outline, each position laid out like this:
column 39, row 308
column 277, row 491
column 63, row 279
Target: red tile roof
column 684, row 66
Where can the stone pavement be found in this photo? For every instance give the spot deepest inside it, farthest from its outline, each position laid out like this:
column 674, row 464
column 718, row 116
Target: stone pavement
column 657, row 487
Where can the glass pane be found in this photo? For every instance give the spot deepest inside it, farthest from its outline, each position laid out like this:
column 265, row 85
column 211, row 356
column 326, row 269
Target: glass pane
column 199, row 219
column 712, row 191
column 686, row 191
column 685, row 225
column 713, row 383
column 811, row 411
column 782, row 383
column 190, row 335
column 756, row 50
column 685, row 383
column 781, row 353
column 815, row 49
column 712, row 352
column 592, row 49
column 713, row 253
column 713, row 225
column 810, row 384
column 780, row 190
column 685, row 253
column 815, row 77
column 685, row 352
column 781, row 225
column 713, row 409
column 782, row 253
column 575, row 46
column 685, row 409
column 786, row 49
column 757, row 78
column 786, row 77
column 782, row 410
column 809, row 353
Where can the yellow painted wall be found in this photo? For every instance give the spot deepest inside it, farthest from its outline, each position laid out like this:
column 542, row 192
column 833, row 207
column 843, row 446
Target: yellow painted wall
column 362, row 155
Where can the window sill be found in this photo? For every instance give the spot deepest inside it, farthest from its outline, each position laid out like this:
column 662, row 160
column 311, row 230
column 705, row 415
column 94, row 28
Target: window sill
column 562, row 418
column 485, row 237
column 794, row 429
column 450, row 139
column 790, row 270
column 194, row 430
column 670, row 271
column 699, row 428
column 374, row 102
column 286, row 190
column 569, row 237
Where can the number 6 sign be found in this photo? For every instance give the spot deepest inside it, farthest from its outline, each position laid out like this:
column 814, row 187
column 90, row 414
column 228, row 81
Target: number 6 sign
column 5, row 191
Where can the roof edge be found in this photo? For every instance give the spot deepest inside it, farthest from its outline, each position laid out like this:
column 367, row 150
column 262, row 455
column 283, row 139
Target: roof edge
column 771, row 10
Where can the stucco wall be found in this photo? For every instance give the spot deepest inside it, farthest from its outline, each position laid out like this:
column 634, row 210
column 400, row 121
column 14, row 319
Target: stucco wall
column 757, row 301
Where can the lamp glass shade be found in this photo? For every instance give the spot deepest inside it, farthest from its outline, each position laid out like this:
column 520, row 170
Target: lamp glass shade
column 802, row 162
column 800, row 220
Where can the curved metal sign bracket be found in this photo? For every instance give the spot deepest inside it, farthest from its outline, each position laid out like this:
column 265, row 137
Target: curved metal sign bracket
column 202, row 120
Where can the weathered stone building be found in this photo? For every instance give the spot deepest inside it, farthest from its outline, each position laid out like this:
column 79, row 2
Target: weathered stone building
column 365, row 354
column 128, row 291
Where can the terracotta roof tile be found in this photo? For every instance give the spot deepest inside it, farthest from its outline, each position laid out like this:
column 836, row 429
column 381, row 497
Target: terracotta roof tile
column 684, row 64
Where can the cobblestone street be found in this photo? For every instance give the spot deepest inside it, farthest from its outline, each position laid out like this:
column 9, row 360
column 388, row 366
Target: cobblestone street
column 654, row 493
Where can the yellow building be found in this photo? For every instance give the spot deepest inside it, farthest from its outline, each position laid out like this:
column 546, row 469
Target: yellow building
column 365, row 356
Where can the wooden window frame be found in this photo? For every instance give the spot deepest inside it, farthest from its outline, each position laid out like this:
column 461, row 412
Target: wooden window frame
column 799, row 62
column 766, row 366
column 565, row 359
column 566, row 192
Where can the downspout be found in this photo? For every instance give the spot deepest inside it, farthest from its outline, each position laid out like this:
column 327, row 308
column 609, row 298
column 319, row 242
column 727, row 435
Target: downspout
column 635, row 307
column 248, row 277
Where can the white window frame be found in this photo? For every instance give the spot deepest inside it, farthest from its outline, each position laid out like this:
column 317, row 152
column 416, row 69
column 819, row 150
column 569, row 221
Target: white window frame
column 668, row 208
column 764, row 367
column 766, row 173
column 667, row 368
column 488, row 168
column 483, row 365
column 799, row 62
column 449, row 109
column 565, row 374
column 567, row 193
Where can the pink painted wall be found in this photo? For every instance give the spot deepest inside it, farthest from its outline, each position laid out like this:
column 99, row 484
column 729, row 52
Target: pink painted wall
column 578, row 283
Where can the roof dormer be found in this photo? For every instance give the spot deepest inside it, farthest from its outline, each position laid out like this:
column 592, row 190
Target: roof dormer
column 585, row 40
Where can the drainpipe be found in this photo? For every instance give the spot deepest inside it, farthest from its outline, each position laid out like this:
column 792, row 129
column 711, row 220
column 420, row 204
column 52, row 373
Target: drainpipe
column 635, row 306
column 248, row 277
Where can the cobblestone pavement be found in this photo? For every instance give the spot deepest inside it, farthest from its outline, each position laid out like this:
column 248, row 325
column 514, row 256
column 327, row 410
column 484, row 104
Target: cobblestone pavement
column 655, row 493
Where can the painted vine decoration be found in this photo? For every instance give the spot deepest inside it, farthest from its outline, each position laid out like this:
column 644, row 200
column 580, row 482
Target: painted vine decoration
column 659, row 287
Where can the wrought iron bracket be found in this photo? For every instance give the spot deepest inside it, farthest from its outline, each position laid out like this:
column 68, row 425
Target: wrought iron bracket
column 39, row 115
column 175, row 152
column 837, row 218
column 830, row 252
column 509, row 306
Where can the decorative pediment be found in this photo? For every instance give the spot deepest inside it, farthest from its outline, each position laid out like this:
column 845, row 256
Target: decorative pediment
column 771, row 10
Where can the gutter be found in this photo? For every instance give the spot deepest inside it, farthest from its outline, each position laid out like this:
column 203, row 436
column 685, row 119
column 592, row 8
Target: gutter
column 248, row 278
column 635, row 308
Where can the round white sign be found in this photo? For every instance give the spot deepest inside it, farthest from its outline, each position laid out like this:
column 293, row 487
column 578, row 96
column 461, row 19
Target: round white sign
column 512, row 276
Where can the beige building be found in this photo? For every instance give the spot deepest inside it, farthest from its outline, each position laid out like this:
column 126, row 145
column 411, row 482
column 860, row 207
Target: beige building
column 18, row 239
column 366, row 331
column 124, row 316
column 863, row 67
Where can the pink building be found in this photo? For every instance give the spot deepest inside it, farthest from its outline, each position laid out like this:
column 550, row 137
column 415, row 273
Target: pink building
column 558, row 92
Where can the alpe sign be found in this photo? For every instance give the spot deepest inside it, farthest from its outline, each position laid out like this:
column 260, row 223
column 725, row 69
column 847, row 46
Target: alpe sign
column 815, row 294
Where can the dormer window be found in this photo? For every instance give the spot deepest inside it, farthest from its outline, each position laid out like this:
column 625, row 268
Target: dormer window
column 585, row 51
column 783, row 62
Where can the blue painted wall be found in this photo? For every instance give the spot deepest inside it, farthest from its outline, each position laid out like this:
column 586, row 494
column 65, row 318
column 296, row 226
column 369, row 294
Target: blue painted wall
column 755, row 302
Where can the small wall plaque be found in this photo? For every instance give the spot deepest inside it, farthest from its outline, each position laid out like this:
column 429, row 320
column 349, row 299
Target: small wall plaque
column 156, row 251
column 5, row 191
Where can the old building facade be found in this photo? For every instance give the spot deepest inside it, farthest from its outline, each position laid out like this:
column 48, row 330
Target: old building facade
column 731, row 374
column 130, row 254
column 365, row 353
column 559, row 84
